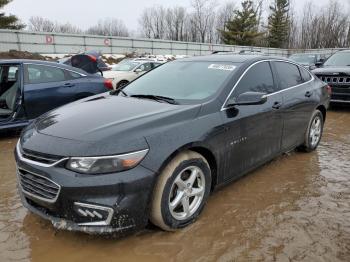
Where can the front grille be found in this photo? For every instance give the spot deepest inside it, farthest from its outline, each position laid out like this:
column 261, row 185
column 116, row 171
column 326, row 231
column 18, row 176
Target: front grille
column 41, row 158
column 38, row 186
column 341, row 81
column 36, row 158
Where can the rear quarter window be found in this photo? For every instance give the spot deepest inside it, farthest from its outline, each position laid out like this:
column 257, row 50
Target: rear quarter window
column 305, row 74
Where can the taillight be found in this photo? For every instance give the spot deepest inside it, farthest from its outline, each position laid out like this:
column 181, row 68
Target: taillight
column 329, row 90
column 92, row 58
column 108, row 84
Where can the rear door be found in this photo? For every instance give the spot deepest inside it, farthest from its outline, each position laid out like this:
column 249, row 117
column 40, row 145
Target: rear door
column 46, row 88
column 299, row 101
column 253, row 132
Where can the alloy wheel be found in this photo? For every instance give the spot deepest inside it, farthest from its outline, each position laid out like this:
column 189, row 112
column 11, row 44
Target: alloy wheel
column 315, row 131
column 187, row 192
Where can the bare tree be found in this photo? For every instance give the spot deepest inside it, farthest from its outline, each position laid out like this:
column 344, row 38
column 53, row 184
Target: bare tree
column 109, row 27
column 175, row 23
column 325, row 27
column 67, row 28
column 224, row 15
column 40, row 24
column 203, row 18
column 153, row 22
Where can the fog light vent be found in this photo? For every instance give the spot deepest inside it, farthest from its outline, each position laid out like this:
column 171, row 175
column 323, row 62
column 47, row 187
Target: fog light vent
column 93, row 215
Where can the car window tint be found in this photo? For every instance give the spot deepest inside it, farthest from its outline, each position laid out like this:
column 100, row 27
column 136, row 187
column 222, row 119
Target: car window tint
column 43, row 74
column 146, row 67
column 12, row 74
column 72, row 75
column 305, row 74
column 258, row 79
column 288, row 75
column 154, row 65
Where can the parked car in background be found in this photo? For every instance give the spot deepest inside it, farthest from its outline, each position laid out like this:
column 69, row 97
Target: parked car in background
column 309, row 60
column 336, row 72
column 154, row 150
column 90, row 61
column 30, row 88
column 127, row 71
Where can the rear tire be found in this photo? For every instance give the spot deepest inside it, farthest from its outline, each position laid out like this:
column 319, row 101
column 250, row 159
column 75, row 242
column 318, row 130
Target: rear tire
column 181, row 191
column 314, row 132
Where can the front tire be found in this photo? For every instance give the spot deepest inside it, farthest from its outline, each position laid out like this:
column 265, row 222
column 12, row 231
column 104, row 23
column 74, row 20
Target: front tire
column 181, row 191
column 314, row 132
column 122, row 84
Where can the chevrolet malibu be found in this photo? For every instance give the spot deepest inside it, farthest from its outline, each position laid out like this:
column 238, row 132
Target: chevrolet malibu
column 155, row 150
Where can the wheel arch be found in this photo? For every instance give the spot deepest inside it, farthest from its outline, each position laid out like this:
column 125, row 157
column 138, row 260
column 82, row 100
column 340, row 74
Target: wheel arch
column 323, row 110
column 201, row 149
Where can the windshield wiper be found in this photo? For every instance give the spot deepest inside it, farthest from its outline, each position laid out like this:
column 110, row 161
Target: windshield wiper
column 157, row 98
column 118, row 91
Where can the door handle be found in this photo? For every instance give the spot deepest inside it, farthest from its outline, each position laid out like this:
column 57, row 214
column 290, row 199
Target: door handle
column 68, row 85
column 277, row 105
column 308, row 94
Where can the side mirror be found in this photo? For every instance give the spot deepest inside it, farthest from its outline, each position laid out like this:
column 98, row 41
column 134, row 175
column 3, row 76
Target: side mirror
column 138, row 70
column 320, row 62
column 248, row 98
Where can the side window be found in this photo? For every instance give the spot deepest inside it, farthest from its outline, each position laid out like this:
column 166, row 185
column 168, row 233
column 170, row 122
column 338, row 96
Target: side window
column 154, row 65
column 288, row 75
column 305, row 74
column 146, row 67
column 70, row 75
column 13, row 73
column 36, row 74
column 258, row 79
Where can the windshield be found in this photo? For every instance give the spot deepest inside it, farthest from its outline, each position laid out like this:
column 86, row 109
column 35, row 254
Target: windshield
column 304, row 59
column 339, row 59
column 126, row 66
column 183, row 80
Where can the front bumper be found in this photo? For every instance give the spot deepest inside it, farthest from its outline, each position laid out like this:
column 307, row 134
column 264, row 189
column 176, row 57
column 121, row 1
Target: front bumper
column 112, row 203
column 340, row 94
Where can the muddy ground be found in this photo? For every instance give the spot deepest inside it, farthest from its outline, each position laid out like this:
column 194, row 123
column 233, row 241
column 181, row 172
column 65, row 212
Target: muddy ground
column 296, row 208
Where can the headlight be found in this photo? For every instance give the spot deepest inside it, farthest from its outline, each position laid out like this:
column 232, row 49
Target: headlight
column 106, row 164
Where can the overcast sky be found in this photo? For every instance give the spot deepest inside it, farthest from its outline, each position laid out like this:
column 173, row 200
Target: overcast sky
column 85, row 13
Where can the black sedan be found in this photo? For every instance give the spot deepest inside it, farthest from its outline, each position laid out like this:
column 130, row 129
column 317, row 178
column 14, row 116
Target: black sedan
column 30, row 88
column 155, row 150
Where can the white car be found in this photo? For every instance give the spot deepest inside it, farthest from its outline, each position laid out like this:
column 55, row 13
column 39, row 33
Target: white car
column 127, row 71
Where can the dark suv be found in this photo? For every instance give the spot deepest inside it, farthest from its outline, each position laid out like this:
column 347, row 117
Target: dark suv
column 154, row 150
column 336, row 72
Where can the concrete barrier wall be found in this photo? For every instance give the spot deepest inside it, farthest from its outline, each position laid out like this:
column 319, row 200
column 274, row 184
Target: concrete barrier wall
column 48, row 43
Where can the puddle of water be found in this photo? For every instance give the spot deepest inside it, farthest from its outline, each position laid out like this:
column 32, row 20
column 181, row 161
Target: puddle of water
column 294, row 208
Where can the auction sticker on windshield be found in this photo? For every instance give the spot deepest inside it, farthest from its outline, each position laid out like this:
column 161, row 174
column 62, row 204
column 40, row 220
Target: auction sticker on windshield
column 222, row 67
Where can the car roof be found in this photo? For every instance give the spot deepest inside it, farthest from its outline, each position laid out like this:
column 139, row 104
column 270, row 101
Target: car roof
column 234, row 58
column 344, row 51
column 42, row 62
column 307, row 54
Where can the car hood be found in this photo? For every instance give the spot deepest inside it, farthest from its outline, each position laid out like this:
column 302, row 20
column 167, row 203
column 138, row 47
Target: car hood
column 103, row 125
column 332, row 70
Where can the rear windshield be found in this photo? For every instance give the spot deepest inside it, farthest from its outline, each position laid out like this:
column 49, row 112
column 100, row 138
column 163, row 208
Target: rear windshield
column 183, row 80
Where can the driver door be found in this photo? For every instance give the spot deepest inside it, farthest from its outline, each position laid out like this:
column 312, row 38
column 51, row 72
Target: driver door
column 253, row 133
